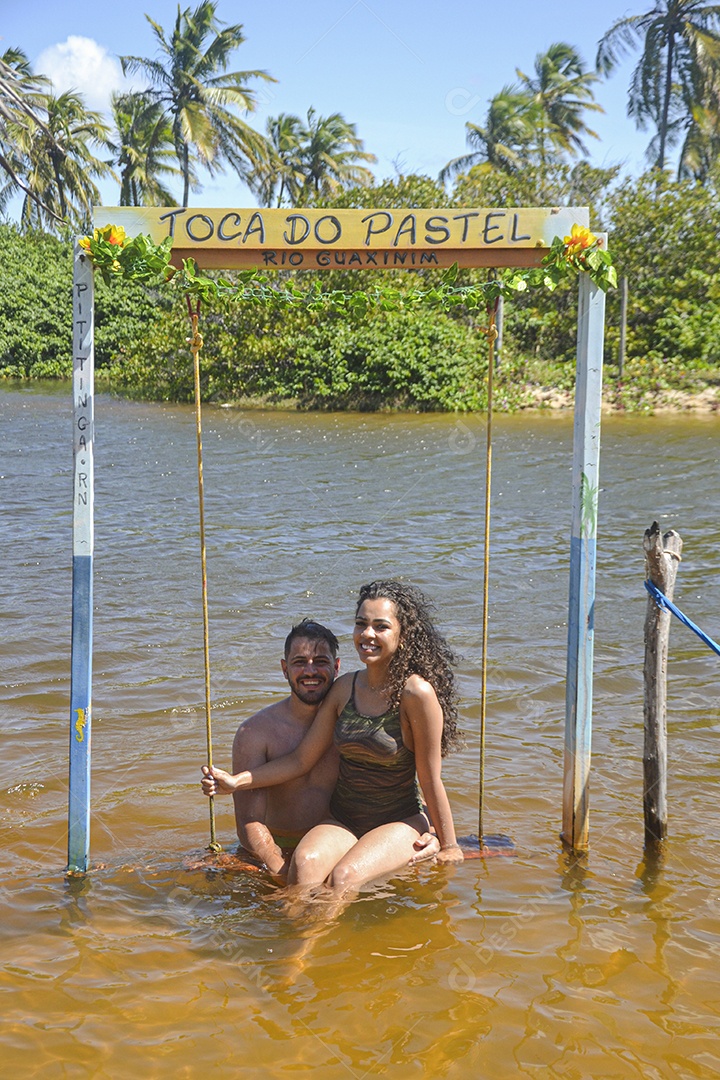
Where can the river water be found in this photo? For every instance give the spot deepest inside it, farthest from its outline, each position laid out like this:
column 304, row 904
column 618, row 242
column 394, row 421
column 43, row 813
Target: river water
column 538, row 965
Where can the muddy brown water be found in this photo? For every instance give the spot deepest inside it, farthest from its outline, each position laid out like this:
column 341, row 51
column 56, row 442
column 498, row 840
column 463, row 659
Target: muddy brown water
column 539, row 965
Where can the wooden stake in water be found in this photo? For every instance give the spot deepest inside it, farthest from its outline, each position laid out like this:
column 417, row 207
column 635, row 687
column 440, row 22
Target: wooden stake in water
column 662, row 555
column 196, row 343
column 82, row 565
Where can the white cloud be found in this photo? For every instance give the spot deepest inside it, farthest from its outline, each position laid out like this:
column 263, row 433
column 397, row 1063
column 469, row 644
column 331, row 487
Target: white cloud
column 84, row 65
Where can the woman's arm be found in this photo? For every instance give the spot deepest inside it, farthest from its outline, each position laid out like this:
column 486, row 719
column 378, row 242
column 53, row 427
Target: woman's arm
column 421, row 710
column 315, row 743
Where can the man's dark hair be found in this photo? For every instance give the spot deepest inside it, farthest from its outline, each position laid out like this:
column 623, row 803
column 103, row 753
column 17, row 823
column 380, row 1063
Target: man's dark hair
column 313, row 631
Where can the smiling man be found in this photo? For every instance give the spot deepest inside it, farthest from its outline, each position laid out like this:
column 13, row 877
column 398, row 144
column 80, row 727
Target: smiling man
column 272, row 819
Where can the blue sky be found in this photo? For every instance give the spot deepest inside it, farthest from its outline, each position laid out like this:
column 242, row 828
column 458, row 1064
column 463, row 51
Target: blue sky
column 408, row 73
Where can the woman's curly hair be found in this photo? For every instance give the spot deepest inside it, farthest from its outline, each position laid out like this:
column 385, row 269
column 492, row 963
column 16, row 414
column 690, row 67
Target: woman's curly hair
column 423, row 651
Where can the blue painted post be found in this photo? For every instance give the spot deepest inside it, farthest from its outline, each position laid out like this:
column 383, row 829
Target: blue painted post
column 586, row 453
column 82, row 578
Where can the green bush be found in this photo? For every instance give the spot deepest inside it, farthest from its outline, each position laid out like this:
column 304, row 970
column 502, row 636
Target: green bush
column 662, row 235
column 414, row 360
column 36, row 308
column 418, row 360
column 664, row 239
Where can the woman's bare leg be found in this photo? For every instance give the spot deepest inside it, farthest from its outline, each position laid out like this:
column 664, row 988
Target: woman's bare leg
column 377, row 854
column 318, row 852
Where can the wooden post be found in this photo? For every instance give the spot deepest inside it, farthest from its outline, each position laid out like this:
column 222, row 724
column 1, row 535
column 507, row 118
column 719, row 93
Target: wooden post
column 581, row 613
column 623, row 324
column 82, row 563
column 662, row 555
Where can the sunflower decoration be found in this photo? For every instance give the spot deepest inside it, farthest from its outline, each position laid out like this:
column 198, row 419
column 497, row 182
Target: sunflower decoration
column 136, row 259
column 582, row 252
column 579, row 240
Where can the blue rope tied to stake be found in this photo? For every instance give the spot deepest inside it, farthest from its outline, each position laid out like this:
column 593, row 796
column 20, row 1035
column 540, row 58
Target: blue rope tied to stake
column 662, row 601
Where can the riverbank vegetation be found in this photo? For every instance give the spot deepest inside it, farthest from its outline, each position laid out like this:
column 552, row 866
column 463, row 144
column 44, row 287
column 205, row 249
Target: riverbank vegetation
column 661, row 233
column 530, row 150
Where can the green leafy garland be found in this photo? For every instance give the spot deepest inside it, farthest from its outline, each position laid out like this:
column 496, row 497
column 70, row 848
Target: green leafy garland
column 143, row 261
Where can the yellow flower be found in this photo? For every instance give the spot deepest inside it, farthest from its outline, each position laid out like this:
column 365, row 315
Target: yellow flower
column 579, row 239
column 113, row 234
column 84, row 243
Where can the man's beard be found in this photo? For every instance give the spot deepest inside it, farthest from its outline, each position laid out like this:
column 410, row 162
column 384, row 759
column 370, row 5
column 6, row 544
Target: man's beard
column 311, row 697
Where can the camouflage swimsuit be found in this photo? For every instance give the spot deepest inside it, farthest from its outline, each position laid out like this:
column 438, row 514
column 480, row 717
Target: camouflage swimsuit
column 377, row 782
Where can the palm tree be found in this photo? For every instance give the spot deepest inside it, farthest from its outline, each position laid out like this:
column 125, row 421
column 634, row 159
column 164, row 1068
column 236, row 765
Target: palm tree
column 504, row 141
column 20, row 90
column 280, row 175
column 191, row 82
column 680, row 42
column 562, row 90
column 310, row 160
column 59, row 164
column 525, row 121
column 701, row 147
column 22, row 97
column 143, row 150
column 329, row 154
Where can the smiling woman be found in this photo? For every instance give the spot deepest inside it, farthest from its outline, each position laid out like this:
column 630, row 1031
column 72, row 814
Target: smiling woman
column 391, row 724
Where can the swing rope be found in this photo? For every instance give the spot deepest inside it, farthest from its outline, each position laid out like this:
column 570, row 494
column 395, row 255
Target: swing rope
column 491, row 333
column 196, row 343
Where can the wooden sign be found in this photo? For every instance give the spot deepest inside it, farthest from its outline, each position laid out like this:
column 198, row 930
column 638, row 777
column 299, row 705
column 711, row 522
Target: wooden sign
column 304, row 239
